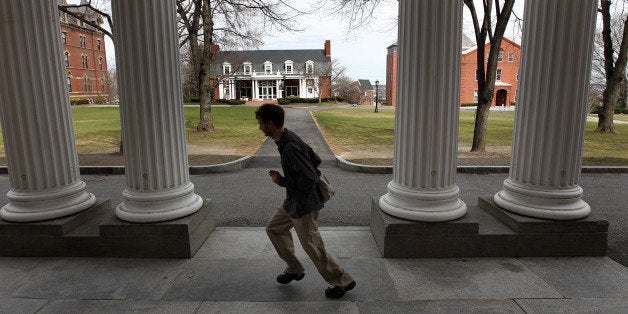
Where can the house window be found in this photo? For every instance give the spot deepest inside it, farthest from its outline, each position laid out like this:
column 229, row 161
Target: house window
column 226, row 68
column 69, row 81
column 500, row 56
column 66, row 59
column 517, row 76
column 100, row 63
column 84, row 62
column 268, row 67
column 291, row 91
column 289, row 65
column 309, row 67
column 475, row 95
column 82, row 41
column 98, row 44
column 476, row 74
column 247, row 68
column 64, row 37
column 498, row 75
column 511, row 56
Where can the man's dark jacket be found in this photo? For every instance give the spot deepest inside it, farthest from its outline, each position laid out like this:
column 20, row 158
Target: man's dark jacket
column 300, row 169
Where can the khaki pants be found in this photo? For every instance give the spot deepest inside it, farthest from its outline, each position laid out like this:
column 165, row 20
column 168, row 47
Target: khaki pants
column 306, row 227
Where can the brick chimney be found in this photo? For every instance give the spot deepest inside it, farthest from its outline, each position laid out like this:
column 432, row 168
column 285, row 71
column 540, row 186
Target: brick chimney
column 327, row 48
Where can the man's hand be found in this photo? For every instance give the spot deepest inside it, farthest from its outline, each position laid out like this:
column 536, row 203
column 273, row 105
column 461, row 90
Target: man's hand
column 275, row 176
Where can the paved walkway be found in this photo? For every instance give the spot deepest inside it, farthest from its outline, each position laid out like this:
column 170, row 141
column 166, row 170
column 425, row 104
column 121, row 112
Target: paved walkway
column 235, row 269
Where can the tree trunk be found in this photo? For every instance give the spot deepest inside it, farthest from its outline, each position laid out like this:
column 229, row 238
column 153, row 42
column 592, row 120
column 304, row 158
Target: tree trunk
column 206, row 90
column 610, row 98
column 206, row 99
column 481, row 122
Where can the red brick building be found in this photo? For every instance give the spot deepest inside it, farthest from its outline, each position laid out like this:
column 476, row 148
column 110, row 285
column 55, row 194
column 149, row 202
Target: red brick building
column 506, row 82
column 84, row 55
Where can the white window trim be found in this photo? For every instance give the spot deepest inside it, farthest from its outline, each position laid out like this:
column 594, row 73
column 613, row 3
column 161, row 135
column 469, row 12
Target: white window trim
column 289, row 65
column 475, row 95
column 500, row 56
column 498, row 75
column 226, row 68
column 268, row 67
column 307, row 64
column 245, row 66
column 511, row 54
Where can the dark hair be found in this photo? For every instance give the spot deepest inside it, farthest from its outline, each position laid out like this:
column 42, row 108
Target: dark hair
column 270, row 112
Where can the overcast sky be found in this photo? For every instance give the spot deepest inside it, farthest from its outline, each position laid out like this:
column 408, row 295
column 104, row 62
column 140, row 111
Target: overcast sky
column 362, row 52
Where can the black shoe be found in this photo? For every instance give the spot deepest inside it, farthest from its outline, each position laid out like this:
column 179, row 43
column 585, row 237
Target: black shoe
column 288, row 277
column 336, row 292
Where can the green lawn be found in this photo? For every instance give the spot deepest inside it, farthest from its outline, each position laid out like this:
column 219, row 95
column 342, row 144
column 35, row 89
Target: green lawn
column 363, row 130
column 97, row 129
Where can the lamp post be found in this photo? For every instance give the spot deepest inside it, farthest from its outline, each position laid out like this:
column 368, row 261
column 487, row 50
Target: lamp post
column 376, row 94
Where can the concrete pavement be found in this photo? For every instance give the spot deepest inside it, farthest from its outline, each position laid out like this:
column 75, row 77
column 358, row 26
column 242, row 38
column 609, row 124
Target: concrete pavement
column 234, row 270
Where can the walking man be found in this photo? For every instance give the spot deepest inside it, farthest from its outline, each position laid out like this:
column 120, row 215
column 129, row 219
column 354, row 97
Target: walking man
column 301, row 206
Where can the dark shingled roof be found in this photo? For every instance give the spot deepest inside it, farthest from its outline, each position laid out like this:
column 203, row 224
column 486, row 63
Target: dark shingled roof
column 277, row 57
column 365, row 85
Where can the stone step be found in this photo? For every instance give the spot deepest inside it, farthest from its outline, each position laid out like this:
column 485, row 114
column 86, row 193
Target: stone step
column 491, row 238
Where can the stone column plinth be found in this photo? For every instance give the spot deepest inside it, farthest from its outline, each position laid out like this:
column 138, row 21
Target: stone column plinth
column 551, row 111
column 36, row 118
column 151, row 109
column 426, row 129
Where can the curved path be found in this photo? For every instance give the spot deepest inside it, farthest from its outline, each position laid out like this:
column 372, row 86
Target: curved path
column 300, row 121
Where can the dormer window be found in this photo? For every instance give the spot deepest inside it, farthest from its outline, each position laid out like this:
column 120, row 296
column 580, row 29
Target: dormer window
column 289, row 65
column 309, row 67
column 226, row 68
column 247, row 68
column 268, row 67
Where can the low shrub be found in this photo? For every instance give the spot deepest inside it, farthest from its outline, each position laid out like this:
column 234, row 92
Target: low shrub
column 100, row 100
column 283, row 101
column 231, row 101
column 79, row 101
column 468, row 104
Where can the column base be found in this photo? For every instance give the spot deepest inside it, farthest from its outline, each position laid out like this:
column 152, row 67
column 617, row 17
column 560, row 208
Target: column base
column 159, row 206
column 560, row 204
column 423, row 205
column 51, row 204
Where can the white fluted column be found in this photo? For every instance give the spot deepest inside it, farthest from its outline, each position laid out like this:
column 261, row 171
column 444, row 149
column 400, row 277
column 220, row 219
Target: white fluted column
column 551, row 111
column 36, row 118
column 151, row 109
column 426, row 129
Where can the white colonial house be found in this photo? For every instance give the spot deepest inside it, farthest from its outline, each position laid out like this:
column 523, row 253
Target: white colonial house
column 272, row 74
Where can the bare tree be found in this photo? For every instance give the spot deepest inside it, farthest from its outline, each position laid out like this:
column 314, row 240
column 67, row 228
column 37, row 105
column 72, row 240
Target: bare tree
column 204, row 24
column 614, row 68
column 85, row 12
column 486, row 73
column 344, row 87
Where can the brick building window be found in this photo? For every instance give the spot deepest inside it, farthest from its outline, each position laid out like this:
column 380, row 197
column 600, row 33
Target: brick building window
column 102, row 84
column 69, row 81
column 82, row 41
column 511, row 56
column 100, row 63
column 476, row 74
column 66, row 59
column 500, row 56
column 498, row 75
column 64, row 37
column 475, row 95
column 98, row 44
column 84, row 62
column 85, row 82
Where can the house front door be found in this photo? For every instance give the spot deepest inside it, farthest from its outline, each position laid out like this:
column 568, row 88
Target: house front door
column 267, row 90
column 501, row 97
